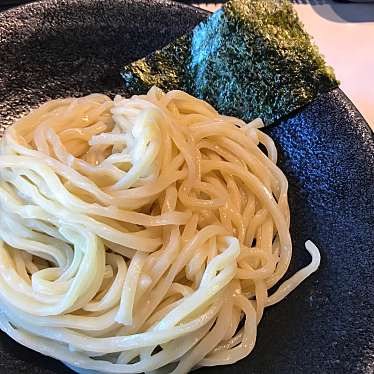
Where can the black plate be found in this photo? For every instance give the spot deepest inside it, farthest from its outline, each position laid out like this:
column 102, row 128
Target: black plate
column 59, row 48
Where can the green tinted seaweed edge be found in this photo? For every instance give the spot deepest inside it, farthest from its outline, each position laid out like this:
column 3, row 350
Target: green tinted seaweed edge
column 249, row 59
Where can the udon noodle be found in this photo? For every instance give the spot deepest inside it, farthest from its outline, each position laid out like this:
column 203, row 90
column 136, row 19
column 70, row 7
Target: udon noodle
column 142, row 234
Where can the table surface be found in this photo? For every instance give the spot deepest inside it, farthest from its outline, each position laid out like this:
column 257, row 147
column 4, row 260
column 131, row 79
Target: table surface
column 344, row 34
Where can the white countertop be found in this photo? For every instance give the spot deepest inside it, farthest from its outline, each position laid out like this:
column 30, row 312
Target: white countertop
column 348, row 46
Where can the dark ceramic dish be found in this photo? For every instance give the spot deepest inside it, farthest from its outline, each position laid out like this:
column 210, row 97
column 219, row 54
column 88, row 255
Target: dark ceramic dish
column 60, row 48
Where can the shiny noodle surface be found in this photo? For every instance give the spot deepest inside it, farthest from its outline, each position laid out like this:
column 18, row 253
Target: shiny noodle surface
column 142, row 234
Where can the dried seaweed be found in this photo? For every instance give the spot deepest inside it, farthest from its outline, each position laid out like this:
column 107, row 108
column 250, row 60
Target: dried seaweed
column 249, row 59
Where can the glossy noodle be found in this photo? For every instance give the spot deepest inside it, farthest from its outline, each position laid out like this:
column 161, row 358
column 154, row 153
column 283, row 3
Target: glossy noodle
column 142, row 234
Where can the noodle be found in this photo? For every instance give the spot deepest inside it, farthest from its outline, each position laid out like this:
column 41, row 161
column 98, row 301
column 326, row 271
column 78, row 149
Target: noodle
column 137, row 234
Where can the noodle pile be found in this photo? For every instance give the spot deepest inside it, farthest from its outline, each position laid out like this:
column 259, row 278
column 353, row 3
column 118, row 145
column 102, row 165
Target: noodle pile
column 142, row 234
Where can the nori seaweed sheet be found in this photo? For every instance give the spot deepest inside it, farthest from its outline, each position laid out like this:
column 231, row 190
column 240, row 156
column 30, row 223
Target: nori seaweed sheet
column 249, row 59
